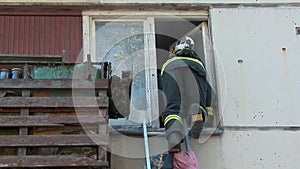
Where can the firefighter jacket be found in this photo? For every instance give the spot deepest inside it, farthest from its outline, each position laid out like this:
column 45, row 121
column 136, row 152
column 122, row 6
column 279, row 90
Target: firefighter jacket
column 184, row 84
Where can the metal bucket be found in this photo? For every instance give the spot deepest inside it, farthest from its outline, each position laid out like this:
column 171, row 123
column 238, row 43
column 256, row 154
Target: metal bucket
column 16, row 73
column 4, row 73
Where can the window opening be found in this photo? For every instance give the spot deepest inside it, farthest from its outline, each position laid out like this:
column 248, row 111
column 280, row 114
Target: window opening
column 167, row 34
column 127, row 44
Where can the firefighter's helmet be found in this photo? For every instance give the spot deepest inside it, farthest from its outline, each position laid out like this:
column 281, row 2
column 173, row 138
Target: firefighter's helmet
column 184, row 43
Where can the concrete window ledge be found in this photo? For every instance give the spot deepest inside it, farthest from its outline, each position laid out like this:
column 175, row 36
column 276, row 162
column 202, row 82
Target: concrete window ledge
column 137, row 130
column 127, row 127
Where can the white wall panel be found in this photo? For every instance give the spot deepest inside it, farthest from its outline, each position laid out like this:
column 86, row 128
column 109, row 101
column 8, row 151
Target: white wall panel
column 258, row 50
column 235, row 149
column 252, row 149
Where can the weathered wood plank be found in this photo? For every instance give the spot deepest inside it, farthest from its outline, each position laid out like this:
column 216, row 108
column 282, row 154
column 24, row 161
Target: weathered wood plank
column 27, row 102
column 24, row 113
column 24, row 58
column 31, row 121
column 53, row 84
column 49, row 161
column 88, row 110
column 53, row 140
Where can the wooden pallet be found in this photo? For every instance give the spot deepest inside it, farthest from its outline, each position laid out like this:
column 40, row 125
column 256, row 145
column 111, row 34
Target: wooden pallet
column 40, row 123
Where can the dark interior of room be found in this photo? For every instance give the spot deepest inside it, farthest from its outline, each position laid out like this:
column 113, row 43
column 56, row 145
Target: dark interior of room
column 167, row 32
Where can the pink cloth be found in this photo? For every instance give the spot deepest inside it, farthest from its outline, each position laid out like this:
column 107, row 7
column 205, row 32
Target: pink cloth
column 185, row 160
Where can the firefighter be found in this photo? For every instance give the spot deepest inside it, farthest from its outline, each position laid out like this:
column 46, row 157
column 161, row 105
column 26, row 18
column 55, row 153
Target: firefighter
column 187, row 93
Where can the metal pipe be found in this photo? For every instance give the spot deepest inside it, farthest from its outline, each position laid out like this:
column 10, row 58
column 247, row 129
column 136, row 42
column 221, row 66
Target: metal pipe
column 146, row 145
column 186, row 136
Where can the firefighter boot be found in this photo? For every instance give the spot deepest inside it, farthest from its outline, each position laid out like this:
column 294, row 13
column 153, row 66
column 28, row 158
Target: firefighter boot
column 197, row 122
column 175, row 135
column 174, row 140
column 210, row 118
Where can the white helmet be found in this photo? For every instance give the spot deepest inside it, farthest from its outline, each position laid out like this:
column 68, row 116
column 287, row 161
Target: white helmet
column 184, row 43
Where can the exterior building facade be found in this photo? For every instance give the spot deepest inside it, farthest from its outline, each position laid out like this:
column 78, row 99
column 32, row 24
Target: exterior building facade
column 250, row 48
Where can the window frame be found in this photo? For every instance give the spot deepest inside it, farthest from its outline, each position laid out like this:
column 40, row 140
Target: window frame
column 89, row 18
column 89, row 23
